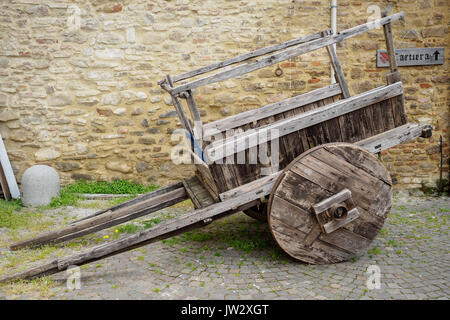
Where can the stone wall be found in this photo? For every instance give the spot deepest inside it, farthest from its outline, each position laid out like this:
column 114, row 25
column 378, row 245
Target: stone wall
column 78, row 79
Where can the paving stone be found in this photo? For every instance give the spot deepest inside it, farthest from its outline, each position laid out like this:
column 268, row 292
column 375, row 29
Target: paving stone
column 419, row 271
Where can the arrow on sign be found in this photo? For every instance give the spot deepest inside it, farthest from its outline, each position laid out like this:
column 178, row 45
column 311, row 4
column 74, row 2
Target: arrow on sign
column 384, row 57
column 436, row 55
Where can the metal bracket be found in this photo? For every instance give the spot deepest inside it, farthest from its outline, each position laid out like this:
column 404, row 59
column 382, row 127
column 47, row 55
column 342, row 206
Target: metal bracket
column 336, row 211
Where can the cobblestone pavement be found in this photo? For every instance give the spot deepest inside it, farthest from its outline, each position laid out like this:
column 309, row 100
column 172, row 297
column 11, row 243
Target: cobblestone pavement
column 236, row 258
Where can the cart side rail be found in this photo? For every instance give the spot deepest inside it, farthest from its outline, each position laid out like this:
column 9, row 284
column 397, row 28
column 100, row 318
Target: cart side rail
column 237, row 143
column 240, row 119
column 284, row 54
column 245, row 57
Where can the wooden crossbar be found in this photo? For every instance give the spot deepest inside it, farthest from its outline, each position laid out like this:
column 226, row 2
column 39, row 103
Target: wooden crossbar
column 244, row 57
column 218, row 126
column 285, row 54
column 220, row 149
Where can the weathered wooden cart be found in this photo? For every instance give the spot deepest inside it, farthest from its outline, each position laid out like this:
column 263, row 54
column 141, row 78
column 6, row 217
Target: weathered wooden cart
column 323, row 192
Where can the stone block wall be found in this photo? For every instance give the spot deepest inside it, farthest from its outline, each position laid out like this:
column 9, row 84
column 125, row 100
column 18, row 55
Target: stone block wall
column 78, row 79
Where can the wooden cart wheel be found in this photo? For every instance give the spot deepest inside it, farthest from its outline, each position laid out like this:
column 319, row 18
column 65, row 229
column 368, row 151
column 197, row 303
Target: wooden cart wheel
column 258, row 212
column 329, row 203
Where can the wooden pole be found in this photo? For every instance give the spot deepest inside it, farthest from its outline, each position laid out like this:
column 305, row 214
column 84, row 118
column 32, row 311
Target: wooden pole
column 394, row 76
column 179, row 108
column 106, row 219
column 338, row 73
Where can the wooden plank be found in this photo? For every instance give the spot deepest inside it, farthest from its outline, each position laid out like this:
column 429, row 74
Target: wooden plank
column 314, row 133
column 360, row 160
column 205, row 176
column 133, row 201
column 198, row 125
column 286, row 54
column 368, row 121
column 346, row 240
column 332, row 126
column 318, row 253
column 288, row 147
column 345, row 122
column 389, row 116
column 335, row 163
column 179, row 108
column 272, row 109
column 10, row 180
column 331, row 226
column 331, row 201
column 218, row 176
column 299, row 191
column 197, row 192
column 329, row 176
column 331, row 183
column 348, row 131
column 314, row 181
column 262, row 187
column 292, row 215
column 304, row 120
column 193, row 106
column 393, row 137
column 313, row 235
column 325, row 179
column 107, row 219
column 396, row 107
column 160, row 231
column 302, row 134
column 399, row 111
column 247, row 56
column 387, row 30
column 338, row 73
column 192, row 194
column 41, row 270
column 4, row 185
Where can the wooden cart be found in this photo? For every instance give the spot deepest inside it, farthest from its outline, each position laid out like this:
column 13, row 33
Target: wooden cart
column 321, row 189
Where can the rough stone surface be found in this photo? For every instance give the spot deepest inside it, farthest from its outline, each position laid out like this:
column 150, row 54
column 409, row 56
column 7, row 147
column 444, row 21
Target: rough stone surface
column 74, row 81
column 40, row 184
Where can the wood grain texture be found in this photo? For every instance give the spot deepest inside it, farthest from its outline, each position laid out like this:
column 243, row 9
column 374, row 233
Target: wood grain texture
column 4, row 185
column 316, row 175
column 220, row 149
column 246, row 56
column 285, row 54
column 197, row 218
column 198, row 193
column 106, row 219
column 372, row 121
column 272, row 109
column 338, row 73
column 393, row 137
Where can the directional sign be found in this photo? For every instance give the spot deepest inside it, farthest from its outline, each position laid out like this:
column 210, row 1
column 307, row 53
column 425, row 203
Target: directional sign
column 412, row 57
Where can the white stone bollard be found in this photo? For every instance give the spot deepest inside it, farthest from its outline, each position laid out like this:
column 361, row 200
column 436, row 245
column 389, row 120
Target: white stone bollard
column 40, row 184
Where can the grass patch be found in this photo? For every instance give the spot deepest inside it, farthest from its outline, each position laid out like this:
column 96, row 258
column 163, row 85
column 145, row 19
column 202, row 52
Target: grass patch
column 40, row 286
column 373, row 251
column 128, row 228
column 66, row 198
column 11, row 219
column 119, row 200
column 242, row 239
column 114, row 187
column 151, row 222
column 133, row 228
column 70, row 194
